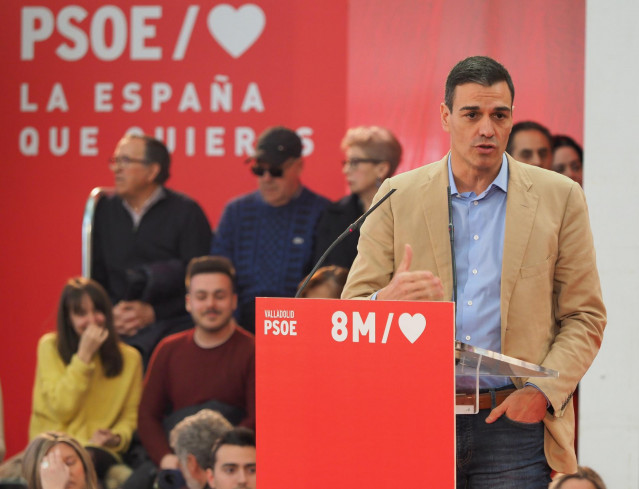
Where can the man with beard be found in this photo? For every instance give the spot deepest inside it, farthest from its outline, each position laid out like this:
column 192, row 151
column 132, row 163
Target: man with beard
column 210, row 366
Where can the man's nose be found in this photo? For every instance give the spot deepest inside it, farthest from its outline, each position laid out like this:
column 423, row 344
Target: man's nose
column 486, row 128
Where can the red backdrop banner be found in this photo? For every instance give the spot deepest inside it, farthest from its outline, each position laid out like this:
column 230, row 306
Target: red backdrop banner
column 207, row 77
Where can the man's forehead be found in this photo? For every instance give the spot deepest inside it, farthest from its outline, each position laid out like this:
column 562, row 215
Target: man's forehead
column 235, row 455
column 530, row 137
column 475, row 95
column 130, row 144
column 213, row 281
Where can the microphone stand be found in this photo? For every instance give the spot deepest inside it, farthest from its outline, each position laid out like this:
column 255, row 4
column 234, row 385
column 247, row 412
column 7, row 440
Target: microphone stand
column 350, row 229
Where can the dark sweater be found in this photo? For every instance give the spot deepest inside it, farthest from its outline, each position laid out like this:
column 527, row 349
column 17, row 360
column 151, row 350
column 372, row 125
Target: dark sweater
column 333, row 222
column 172, row 231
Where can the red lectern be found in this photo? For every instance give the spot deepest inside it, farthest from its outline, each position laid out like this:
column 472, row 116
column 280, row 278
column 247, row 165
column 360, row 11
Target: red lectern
column 354, row 393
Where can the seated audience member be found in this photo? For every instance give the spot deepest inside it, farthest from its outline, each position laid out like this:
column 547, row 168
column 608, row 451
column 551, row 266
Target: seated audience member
column 568, row 158
column 531, row 143
column 372, row 154
column 143, row 238
column 269, row 234
column 233, row 461
column 192, row 440
column 54, row 460
column 88, row 383
column 326, row 283
column 584, row 478
column 209, row 366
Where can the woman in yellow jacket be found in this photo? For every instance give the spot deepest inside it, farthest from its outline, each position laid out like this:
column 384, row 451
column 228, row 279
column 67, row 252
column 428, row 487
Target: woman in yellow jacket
column 88, row 383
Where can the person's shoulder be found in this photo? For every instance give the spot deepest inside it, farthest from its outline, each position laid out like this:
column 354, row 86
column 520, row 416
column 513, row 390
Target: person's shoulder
column 48, row 340
column 314, row 197
column 244, row 200
column 179, row 198
column 539, row 179
column 129, row 353
column 108, row 202
column 175, row 341
column 424, row 173
column 243, row 336
column 350, row 201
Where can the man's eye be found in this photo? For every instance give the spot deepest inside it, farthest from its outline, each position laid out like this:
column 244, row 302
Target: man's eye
column 471, row 115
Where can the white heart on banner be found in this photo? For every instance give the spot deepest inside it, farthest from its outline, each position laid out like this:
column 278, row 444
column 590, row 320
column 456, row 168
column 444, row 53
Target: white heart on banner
column 412, row 326
column 236, row 30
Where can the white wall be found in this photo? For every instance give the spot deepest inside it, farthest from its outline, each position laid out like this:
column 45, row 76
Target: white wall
column 609, row 420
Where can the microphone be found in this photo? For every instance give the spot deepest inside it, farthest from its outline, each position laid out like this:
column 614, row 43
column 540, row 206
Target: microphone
column 350, row 229
column 451, row 233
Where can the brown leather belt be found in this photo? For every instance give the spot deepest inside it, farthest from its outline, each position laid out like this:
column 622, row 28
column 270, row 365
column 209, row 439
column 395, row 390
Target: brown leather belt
column 485, row 400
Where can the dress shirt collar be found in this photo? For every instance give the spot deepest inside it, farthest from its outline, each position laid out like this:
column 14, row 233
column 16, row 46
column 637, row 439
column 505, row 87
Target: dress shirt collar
column 500, row 181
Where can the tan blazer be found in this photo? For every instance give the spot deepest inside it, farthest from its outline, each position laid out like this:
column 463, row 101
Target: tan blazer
column 552, row 313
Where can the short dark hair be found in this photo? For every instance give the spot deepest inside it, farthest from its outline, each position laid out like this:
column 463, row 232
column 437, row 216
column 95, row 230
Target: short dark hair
column 209, row 264
column 68, row 340
column 155, row 152
column 476, row 69
column 239, row 437
column 561, row 140
column 527, row 126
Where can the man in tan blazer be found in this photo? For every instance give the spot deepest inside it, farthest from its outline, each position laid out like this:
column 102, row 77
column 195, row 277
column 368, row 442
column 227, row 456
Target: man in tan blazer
column 548, row 300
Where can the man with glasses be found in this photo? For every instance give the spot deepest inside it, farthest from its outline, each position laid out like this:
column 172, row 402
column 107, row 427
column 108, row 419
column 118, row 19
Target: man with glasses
column 143, row 238
column 269, row 234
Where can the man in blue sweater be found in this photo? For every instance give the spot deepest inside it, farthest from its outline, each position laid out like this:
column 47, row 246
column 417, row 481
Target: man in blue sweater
column 268, row 234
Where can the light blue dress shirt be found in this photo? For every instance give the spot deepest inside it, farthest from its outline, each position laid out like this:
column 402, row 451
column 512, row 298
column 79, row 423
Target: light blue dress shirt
column 479, row 222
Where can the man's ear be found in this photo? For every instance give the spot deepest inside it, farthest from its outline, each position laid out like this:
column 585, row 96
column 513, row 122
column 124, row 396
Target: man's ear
column 444, row 113
column 209, row 478
column 191, row 464
column 154, row 171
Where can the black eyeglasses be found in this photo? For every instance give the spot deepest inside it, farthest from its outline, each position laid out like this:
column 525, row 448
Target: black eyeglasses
column 353, row 162
column 125, row 160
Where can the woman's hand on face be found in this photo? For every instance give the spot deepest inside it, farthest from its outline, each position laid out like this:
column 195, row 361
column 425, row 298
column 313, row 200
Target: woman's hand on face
column 91, row 341
column 54, row 473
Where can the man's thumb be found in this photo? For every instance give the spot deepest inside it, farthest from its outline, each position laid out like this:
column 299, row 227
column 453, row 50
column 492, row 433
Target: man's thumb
column 404, row 265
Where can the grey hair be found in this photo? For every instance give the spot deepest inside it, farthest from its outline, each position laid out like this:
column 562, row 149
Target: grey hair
column 196, row 435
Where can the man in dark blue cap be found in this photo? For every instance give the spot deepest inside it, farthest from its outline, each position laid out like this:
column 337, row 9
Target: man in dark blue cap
column 269, row 234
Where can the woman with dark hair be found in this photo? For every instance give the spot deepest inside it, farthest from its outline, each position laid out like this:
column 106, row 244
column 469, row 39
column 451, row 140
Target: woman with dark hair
column 54, row 460
column 88, row 383
column 568, row 158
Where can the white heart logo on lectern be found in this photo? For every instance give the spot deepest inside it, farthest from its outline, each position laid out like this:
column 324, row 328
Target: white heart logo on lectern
column 412, row 326
column 236, row 30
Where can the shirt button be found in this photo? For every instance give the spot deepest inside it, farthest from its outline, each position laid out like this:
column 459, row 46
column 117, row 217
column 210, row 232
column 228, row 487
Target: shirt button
column 467, row 338
column 475, row 202
column 470, row 303
column 474, row 271
column 476, row 237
